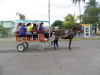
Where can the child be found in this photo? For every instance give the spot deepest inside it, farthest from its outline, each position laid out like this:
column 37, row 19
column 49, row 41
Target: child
column 52, row 36
column 52, row 39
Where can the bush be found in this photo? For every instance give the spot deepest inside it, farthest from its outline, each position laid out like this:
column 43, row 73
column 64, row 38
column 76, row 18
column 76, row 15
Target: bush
column 3, row 32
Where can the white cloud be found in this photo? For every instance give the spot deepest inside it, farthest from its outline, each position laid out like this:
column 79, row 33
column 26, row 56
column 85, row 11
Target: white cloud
column 38, row 9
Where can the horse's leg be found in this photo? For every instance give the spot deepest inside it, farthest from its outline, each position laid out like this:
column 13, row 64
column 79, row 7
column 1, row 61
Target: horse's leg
column 70, row 40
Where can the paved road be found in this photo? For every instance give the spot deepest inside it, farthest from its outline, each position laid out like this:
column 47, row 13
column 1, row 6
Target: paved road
column 83, row 59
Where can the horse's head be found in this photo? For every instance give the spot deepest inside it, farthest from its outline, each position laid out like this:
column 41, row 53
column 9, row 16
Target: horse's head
column 79, row 28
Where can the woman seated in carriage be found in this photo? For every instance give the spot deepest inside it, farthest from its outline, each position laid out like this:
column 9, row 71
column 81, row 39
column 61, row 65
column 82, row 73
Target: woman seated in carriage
column 29, row 31
column 42, row 31
column 35, row 31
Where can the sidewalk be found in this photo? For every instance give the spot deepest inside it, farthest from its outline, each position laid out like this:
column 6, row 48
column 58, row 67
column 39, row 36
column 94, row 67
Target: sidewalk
column 7, row 40
column 93, row 37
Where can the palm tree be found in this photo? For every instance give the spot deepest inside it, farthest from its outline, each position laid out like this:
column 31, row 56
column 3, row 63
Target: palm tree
column 21, row 16
column 75, row 1
column 92, row 9
column 91, row 3
column 78, row 1
column 70, row 20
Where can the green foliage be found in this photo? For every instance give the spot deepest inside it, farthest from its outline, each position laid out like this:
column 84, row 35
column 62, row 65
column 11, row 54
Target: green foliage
column 58, row 23
column 91, row 3
column 21, row 16
column 92, row 10
column 70, row 20
column 79, row 17
column 78, row 1
column 3, row 32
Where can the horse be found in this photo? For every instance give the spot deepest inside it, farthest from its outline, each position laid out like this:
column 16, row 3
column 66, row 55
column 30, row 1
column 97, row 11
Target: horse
column 70, row 35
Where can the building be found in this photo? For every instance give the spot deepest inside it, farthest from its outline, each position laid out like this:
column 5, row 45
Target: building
column 8, row 25
column 87, row 31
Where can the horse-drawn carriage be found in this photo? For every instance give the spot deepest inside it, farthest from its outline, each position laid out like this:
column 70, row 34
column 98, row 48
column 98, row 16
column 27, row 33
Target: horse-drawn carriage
column 23, row 42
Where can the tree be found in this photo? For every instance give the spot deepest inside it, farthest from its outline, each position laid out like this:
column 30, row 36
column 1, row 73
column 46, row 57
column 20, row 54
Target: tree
column 21, row 16
column 78, row 1
column 75, row 1
column 58, row 23
column 80, row 17
column 92, row 10
column 85, row 18
column 3, row 31
column 70, row 20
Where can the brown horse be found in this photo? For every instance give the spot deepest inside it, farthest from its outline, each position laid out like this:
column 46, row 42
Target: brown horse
column 70, row 35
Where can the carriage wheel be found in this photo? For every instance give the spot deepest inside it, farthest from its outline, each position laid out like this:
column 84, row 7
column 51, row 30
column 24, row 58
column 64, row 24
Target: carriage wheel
column 26, row 44
column 20, row 47
column 41, row 48
column 47, row 44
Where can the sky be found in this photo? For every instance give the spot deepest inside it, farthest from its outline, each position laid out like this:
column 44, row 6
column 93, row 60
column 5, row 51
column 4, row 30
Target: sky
column 38, row 9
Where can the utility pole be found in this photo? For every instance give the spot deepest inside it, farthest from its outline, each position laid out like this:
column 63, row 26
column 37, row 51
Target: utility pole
column 80, row 11
column 49, row 16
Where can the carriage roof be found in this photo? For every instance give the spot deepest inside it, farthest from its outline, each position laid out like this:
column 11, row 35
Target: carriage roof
column 23, row 21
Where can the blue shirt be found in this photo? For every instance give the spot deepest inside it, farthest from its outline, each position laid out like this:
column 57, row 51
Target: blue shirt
column 22, row 28
column 40, row 29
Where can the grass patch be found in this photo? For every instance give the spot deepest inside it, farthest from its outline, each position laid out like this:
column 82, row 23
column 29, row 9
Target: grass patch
column 75, row 39
column 80, row 39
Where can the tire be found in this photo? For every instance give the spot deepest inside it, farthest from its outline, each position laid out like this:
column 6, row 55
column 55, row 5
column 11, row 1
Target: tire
column 47, row 45
column 41, row 48
column 20, row 47
column 26, row 44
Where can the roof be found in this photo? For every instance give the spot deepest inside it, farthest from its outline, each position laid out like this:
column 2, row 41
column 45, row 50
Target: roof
column 86, row 24
column 31, row 21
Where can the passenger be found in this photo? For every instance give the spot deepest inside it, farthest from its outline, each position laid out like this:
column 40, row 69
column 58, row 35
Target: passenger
column 29, row 31
column 42, row 31
column 22, row 32
column 35, row 32
column 16, row 30
column 41, row 28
